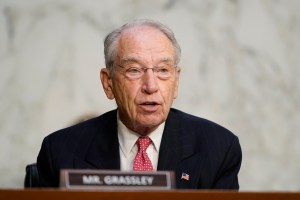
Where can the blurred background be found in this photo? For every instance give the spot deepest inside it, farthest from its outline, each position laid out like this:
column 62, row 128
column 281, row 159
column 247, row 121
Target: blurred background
column 240, row 68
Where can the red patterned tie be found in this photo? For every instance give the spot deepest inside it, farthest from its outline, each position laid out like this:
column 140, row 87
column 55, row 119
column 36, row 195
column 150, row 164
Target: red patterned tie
column 142, row 161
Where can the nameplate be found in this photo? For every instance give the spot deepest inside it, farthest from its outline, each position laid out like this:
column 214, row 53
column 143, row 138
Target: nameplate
column 118, row 180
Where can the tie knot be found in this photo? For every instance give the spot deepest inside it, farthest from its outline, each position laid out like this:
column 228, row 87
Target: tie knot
column 143, row 143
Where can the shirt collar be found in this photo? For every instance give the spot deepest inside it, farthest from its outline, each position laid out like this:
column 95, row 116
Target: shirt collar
column 127, row 138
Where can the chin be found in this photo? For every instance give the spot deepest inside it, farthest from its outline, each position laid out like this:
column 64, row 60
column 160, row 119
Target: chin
column 150, row 122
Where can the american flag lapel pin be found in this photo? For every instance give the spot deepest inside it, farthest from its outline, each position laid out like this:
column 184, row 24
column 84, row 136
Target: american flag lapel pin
column 185, row 176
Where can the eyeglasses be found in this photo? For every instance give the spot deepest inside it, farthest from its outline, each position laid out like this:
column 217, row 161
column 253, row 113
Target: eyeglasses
column 136, row 71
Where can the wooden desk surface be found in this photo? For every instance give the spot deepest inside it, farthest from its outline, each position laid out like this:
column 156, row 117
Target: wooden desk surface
column 46, row 194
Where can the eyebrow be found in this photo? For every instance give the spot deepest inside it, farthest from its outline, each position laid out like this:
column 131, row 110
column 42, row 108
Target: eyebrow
column 128, row 59
column 132, row 59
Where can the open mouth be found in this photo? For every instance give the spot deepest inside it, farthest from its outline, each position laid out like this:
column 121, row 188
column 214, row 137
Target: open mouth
column 149, row 104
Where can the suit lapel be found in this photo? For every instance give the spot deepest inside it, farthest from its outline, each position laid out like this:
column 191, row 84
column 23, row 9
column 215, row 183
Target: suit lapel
column 103, row 151
column 175, row 144
column 177, row 151
column 170, row 148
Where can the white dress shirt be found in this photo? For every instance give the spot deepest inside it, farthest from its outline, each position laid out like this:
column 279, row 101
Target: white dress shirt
column 128, row 147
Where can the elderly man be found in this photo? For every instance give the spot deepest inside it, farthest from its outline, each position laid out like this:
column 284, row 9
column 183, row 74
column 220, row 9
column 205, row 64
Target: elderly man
column 144, row 133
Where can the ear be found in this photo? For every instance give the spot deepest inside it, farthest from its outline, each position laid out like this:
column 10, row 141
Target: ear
column 176, row 82
column 107, row 83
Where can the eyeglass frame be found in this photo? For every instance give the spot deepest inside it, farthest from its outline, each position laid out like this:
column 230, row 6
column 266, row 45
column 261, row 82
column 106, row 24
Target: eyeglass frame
column 143, row 70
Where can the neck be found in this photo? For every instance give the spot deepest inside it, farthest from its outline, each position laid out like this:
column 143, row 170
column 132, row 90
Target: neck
column 143, row 131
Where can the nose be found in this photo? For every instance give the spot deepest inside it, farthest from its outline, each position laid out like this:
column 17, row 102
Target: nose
column 149, row 82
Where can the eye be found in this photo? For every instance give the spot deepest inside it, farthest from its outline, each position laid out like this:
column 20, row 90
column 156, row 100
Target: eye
column 133, row 70
column 163, row 69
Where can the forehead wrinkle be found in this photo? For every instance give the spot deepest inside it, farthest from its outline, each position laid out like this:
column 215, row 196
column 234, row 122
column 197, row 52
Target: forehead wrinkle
column 138, row 50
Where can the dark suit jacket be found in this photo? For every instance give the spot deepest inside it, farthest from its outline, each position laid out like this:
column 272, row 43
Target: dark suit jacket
column 208, row 153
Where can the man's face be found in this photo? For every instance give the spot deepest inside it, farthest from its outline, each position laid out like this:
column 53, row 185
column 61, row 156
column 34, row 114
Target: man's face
column 143, row 103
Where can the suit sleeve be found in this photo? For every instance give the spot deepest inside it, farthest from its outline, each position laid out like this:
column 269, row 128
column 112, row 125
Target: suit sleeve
column 47, row 176
column 227, row 177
